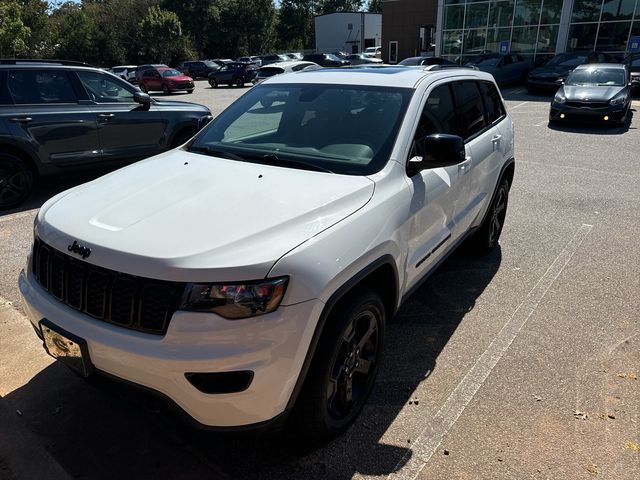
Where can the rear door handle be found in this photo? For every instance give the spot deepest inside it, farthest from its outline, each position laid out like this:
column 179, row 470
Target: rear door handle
column 20, row 119
column 496, row 138
column 106, row 115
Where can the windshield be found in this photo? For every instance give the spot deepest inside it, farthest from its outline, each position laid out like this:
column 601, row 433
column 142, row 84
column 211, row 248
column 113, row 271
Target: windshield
column 597, row 77
column 331, row 56
column 568, row 60
column 270, row 71
column 210, row 64
column 488, row 62
column 411, row 61
column 171, row 73
column 348, row 129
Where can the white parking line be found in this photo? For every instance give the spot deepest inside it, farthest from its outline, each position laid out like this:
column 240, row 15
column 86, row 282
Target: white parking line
column 435, row 429
column 15, row 216
column 519, row 105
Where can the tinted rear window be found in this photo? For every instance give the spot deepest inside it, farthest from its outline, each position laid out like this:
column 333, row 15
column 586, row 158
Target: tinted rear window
column 28, row 87
column 469, row 107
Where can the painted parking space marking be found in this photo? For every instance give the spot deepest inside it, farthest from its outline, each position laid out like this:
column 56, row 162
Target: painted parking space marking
column 435, row 429
column 519, row 105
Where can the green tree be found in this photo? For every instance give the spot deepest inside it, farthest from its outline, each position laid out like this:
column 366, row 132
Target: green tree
column 161, row 36
column 14, row 34
column 332, row 6
column 75, row 33
column 295, row 24
column 374, row 6
column 35, row 15
column 200, row 19
column 246, row 28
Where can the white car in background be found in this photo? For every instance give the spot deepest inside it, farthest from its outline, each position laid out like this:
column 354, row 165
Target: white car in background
column 248, row 275
column 373, row 52
column 126, row 72
column 283, row 67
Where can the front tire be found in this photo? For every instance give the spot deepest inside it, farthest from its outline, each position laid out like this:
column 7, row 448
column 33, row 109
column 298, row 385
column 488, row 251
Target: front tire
column 487, row 236
column 213, row 82
column 239, row 82
column 344, row 368
column 143, row 88
column 165, row 89
column 16, row 181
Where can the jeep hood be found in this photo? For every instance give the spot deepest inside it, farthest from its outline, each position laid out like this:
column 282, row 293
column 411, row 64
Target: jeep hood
column 182, row 216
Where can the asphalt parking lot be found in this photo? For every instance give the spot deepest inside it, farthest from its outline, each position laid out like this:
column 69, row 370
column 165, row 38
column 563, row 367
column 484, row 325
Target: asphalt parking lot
column 520, row 365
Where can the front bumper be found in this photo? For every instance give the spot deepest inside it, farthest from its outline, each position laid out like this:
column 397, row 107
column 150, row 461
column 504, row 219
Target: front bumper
column 272, row 346
column 566, row 113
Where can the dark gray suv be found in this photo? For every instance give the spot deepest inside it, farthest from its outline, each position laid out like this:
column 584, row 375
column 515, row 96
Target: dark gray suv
column 59, row 117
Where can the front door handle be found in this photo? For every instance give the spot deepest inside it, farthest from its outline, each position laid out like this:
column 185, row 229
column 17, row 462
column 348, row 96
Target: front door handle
column 465, row 166
column 20, row 119
column 106, row 116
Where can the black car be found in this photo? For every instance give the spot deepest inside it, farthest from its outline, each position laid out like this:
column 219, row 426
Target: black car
column 546, row 78
column 234, row 74
column 326, row 60
column 426, row 61
column 198, row 68
column 598, row 93
column 632, row 62
column 60, row 117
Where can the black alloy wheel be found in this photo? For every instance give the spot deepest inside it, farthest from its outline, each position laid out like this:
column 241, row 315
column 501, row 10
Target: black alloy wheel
column 344, row 367
column 486, row 237
column 239, row 82
column 16, row 181
column 498, row 214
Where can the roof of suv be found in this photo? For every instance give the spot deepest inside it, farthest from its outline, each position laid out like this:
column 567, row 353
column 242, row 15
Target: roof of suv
column 383, row 75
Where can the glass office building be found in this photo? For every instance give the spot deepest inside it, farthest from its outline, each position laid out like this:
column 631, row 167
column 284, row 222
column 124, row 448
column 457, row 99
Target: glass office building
column 536, row 28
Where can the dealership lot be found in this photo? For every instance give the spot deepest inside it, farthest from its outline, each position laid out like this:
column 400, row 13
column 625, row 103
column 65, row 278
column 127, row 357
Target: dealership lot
column 519, row 365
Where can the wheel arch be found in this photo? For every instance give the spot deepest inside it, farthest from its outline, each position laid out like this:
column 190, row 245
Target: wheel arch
column 22, row 154
column 380, row 276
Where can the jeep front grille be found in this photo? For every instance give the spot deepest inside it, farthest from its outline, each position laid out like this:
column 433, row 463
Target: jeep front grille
column 129, row 301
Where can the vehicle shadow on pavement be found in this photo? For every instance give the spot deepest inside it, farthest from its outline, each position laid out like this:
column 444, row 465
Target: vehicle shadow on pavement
column 98, row 434
column 595, row 128
column 520, row 94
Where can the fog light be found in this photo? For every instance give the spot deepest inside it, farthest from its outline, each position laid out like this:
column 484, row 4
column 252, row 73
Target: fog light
column 562, row 115
column 606, row 117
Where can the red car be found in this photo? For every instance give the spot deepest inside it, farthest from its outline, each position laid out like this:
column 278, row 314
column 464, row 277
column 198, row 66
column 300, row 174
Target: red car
column 166, row 79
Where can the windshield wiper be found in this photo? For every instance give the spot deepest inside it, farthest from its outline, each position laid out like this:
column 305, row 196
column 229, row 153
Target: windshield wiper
column 273, row 159
column 217, row 153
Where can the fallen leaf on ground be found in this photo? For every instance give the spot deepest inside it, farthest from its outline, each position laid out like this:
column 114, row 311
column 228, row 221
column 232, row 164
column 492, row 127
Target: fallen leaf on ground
column 580, row 415
column 632, row 446
column 592, row 469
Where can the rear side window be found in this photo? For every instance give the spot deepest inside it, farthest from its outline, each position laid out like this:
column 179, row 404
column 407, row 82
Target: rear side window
column 469, row 108
column 28, row 87
column 438, row 115
column 492, row 102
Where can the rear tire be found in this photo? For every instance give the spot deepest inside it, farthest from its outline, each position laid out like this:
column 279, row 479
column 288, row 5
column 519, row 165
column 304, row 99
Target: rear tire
column 213, row 82
column 165, row 89
column 486, row 237
column 239, row 82
column 143, row 88
column 16, row 181
column 344, row 368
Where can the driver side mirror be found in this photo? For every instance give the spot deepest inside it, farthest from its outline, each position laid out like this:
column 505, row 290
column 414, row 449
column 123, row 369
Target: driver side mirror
column 559, row 81
column 436, row 150
column 142, row 98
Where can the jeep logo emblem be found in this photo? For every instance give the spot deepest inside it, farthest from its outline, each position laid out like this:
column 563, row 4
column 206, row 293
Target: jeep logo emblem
column 84, row 252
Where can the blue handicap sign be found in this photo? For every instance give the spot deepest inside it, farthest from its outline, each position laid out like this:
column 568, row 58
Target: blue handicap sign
column 504, row 46
column 634, row 44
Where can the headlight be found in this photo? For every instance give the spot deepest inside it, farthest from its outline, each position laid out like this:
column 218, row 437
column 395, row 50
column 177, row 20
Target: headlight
column 560, row 98
column 235, row 300
column 618, row 100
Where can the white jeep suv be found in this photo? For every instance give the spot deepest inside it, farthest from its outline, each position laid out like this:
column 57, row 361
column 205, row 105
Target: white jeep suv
column 248, row 274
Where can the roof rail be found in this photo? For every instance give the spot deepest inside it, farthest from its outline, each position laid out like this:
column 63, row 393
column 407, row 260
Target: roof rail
column 31, row 61
column 431, row 68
